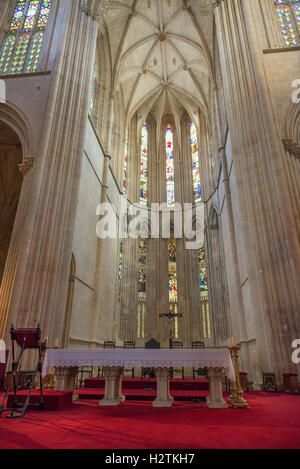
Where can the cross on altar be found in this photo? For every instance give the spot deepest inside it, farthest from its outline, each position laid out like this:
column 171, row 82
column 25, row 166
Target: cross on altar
column 170, row 316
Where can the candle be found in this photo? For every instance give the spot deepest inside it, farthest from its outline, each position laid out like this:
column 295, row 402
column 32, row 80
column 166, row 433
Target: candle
column 56, row 343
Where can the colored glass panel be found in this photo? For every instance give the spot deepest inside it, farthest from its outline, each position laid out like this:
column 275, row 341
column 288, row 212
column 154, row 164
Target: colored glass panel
column 6, row 53
column 170, row 172
column 20, row 54
column 196, row 165
column 44, row 14
column 125, row 163
column 297, row 13
column 288, row 15
column 17, row 16
column 142, row 268
column 30, row 15
column 203, row 273
column 93, row 95
column 120, row 274
column 144, row 166
column 173, row 290
column 204, row 303
column 34, row 52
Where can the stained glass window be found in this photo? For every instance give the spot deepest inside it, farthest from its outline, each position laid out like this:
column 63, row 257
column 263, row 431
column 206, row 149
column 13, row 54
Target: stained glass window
column 170, row 171
column 20, row 50
column 288, row 12
column 93, row 95
column 31, row 15
column 17, row 16
column 196, row 164
column 125, row 163
column 173, row 289
column 204, row 304
column 144, row 166
column 141, row 287
column 173, row 293
column 120, row 273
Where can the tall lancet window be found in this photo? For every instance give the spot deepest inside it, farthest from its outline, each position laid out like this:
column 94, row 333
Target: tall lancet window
column 205, row 314
column 21, row 47
column 170, row 170
column 141, row 288
column 94, row 86
column 196, row 164
column 288, row 12
column 121, row 264
column 124, row 183
column 144, row 166
column 173, row 289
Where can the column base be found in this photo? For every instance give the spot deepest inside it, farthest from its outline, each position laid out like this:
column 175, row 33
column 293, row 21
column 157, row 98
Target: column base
column 159, row 403
column 216, row 404
column 110, row 402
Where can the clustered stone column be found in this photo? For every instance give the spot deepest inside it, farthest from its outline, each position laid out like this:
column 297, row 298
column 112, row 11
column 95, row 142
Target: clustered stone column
column 267, row 238
column 49, row 218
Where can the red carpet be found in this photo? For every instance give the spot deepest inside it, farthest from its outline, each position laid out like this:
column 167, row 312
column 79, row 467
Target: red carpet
column 271, row 422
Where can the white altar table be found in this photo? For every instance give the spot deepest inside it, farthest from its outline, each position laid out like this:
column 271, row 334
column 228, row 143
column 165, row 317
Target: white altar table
column 67, row 361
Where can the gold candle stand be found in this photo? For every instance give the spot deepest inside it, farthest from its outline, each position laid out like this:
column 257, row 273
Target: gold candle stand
column 236, row 398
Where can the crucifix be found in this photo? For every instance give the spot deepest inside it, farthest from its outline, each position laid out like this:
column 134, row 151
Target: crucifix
column 170, row 316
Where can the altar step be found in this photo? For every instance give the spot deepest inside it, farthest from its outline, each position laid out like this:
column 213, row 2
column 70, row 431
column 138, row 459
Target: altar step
column 53, row 400
column 142, row 384
column 147, row 394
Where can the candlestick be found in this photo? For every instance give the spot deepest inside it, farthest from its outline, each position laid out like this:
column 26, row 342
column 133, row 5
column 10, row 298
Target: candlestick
column 236, row 398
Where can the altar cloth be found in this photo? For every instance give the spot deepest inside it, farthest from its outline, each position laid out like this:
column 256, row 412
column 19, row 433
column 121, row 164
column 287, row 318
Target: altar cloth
column 146, row 358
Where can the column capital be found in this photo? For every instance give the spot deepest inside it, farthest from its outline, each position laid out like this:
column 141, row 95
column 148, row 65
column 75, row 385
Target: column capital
column 26, row 165
column 94, row 8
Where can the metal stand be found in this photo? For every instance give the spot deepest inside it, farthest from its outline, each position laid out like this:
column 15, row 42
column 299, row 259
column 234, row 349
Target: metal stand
column 25, row 339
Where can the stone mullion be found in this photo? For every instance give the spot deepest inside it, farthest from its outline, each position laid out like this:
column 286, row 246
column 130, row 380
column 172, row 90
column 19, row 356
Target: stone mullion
column 192, row 273
column 152, row 258
column 162, row 265
column 250, row 110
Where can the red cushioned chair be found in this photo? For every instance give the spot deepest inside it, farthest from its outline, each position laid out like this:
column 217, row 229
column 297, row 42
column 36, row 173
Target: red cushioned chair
column 3, row 371
column 290, row 382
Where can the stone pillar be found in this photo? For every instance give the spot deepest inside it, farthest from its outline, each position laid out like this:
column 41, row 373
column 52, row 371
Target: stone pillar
column 215, row 399
column 163, row 399
column 113, row 386
column 65, row 378
column 267, row 238
column 38, row 289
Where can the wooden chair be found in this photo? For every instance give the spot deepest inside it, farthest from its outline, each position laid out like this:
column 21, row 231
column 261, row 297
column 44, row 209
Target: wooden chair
column 151, row 344
column 176, row 344
column 129, row 344
column 108, row 344
column 200, row 371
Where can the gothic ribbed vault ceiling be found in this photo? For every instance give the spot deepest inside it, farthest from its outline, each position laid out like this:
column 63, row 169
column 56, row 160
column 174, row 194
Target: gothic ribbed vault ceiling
column 161, row 55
